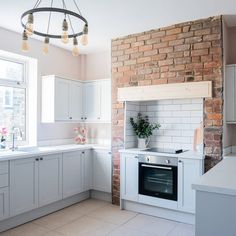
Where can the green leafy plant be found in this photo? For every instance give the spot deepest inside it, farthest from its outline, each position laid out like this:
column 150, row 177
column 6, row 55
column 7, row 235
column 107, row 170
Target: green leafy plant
column 142, row 126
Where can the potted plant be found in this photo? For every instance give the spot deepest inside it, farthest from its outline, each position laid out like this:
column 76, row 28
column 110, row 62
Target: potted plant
column 143, row 129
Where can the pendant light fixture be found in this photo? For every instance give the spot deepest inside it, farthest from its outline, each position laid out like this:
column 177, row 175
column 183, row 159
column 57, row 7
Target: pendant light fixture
column 66, row 32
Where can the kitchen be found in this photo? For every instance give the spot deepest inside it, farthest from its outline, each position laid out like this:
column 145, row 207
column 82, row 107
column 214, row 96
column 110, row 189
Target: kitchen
column 77, row 156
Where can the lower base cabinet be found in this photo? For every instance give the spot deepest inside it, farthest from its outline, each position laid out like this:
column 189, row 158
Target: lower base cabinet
column 102, row 171
column 188, row 172
column 42, row 180
column 72, row 173
column 35, row 182
column 23, row 185
column 129, row 177
column 50, row 179
column 4, row 203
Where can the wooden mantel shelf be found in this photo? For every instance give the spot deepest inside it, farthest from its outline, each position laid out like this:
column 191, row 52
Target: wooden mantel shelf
column 166, row 91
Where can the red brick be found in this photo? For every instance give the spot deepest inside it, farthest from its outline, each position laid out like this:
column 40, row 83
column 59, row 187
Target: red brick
column 199, row 52
column 173, row 31
column 202, row 45
column 145, row 48
column 143, row 59
column 165, row 62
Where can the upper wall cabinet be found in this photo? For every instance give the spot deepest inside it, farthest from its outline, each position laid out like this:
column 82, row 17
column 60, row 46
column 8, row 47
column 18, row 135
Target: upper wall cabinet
column 230, row 93
column 97, row 101
column 65, row 100
column 61, row 99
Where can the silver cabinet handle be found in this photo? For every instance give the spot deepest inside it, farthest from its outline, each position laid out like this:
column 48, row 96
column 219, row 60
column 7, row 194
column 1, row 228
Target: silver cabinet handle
column 157, row 167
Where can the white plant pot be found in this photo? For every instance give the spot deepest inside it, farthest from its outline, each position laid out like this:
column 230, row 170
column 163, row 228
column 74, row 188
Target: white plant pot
column 142, row 143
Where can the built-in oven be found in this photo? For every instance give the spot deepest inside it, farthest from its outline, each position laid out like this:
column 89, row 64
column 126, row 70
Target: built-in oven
column 158, row 176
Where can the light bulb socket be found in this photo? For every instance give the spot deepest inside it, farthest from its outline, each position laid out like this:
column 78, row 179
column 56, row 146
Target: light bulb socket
column 75, row 41
column 46, row 40
column 85, row 30
column 24, row 35
column 30, row 18
column 64, row 25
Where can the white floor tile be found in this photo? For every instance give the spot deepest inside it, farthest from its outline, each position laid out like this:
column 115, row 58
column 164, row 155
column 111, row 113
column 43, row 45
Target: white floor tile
column 150, row 224
column 112, row 214
column 126, row 231
column 28, row 229
column 183, row 230
column 69, row 214
column 86, row 226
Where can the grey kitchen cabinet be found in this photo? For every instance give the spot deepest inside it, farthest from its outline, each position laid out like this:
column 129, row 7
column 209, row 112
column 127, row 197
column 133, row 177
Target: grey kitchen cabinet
column 102, row 171
column 129, row 177
column 72, row 173
column 23, row 185
column 4, row 203
column 230, row 93
column 50, row 179
column 87, row 173
column 188, row 172
column 35, row 182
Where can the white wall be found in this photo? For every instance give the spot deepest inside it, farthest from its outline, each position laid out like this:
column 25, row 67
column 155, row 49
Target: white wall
column 59, row 62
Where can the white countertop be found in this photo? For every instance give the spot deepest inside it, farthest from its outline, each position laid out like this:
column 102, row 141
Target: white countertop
column 36, row 151
column 221, row 178
column 186, row 155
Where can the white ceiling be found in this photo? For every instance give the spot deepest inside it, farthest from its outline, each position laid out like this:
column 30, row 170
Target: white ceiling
column 114, row 18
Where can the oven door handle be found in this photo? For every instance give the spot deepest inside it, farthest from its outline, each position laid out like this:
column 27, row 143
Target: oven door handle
column 157, row 167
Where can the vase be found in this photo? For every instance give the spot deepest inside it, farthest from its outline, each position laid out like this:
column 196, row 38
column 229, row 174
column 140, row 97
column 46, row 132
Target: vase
column 142, row 143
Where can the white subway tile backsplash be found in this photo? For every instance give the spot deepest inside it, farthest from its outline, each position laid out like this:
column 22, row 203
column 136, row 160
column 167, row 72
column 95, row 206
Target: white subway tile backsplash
column 191, row 107
column 172, row 107
column 178, row 118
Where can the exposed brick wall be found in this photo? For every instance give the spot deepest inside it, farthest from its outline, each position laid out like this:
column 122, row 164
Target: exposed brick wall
column 185, row 52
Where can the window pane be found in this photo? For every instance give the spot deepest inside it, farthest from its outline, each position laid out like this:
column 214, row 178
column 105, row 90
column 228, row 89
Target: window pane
column 12, row 110
column 11, row 70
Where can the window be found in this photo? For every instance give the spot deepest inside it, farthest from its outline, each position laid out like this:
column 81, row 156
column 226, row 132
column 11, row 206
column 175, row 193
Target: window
column 13, row 92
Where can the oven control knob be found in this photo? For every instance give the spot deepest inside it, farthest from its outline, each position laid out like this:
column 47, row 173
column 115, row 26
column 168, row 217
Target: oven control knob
column 148, row 159
column 167, row 161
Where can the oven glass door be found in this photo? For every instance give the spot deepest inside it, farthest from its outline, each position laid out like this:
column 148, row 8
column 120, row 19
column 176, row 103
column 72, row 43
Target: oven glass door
column 158, row 181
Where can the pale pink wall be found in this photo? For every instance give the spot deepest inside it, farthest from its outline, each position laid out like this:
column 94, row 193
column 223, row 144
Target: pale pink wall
column 98, row 66
column 59, row 62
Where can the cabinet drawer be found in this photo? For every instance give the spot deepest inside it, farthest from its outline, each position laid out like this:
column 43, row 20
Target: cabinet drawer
column 3, row 180
column 3, row 167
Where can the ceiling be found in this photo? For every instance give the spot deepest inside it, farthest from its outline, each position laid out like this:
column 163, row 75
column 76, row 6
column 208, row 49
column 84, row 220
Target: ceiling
column 114, row 18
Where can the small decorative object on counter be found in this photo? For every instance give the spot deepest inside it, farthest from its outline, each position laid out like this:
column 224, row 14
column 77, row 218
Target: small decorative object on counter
column 143, row 129
column 3, row 133
column 81, row 135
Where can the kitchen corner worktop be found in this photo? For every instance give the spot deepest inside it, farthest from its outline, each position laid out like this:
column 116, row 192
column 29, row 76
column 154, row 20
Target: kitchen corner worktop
column 36, row 151
column 186, row 155
column 221, row 179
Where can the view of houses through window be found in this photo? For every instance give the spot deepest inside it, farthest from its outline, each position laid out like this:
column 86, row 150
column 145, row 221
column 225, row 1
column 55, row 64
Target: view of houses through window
column 13, row 90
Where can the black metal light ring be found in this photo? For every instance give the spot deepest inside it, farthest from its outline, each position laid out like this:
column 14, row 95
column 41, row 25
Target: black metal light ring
column 53, row 9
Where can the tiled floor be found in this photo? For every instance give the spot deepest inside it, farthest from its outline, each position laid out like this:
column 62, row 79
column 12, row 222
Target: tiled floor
column 98, row 218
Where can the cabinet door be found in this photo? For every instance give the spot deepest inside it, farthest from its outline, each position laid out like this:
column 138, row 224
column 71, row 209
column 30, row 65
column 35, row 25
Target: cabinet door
column 50, row 179
column 102, row 171
column 188, row 172
column 87, row 167
column 230, row 93
column 62, row 87
column 72, row 173
column 4, row 203
column 92, row 101
column 106, row 100
column 129, row 177
column 23, row 185
column 75, row 103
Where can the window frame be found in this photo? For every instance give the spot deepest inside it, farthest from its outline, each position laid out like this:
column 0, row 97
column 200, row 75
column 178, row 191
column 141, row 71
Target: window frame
column 21, row 85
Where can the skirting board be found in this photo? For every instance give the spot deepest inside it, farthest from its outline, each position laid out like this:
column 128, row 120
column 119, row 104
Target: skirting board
column 42, row 211
column 158, row 212
column 101, row 195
